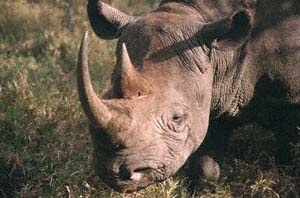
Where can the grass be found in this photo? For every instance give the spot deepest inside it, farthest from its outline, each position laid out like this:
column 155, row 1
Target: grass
column 45, row 147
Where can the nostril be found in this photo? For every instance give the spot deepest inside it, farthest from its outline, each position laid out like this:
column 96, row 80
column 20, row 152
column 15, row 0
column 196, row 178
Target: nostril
column 143, row 170
column 124, row 173
column 118, row 147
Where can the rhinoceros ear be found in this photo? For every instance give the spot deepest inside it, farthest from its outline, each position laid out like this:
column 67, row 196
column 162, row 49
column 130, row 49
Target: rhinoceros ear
column 230, row 32
column 105, row 20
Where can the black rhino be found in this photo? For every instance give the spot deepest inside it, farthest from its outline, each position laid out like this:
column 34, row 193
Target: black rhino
column 187, row 66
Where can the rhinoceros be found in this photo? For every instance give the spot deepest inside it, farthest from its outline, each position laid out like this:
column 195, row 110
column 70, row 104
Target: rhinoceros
column 182, row 69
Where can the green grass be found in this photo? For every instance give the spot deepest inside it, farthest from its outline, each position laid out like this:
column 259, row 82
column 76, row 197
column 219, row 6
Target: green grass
column 45, row 146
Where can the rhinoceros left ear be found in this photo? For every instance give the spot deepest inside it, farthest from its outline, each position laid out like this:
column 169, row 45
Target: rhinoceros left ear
column 230, row 32
column 105, row 20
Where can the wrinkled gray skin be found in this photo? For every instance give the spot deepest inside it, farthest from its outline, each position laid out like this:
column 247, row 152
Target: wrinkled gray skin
column 179, row 66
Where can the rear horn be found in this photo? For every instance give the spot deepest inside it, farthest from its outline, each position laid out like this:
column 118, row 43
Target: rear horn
column 133, row 84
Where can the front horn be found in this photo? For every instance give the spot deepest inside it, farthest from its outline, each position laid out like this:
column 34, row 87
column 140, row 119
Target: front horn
column 97, row 112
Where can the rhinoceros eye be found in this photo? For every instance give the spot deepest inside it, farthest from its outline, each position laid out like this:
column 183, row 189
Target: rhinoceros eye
column 139, row 93
column 178, row 119
column 175, row 118
column 178, row 123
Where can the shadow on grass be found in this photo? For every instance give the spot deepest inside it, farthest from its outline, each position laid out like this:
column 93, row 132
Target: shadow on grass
column 12, row 177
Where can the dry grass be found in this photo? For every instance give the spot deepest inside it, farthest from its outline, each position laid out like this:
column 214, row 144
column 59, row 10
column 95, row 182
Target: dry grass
column 45, row 148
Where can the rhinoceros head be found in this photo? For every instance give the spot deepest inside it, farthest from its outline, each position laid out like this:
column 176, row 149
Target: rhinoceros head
column 156, row 113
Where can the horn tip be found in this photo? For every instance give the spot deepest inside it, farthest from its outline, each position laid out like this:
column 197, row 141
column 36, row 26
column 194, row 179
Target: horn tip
column 85, row 35
column 126, row 62
column 124, row 47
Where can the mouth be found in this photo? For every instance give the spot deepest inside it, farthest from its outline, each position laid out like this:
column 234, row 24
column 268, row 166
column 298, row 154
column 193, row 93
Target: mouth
column 138, row 180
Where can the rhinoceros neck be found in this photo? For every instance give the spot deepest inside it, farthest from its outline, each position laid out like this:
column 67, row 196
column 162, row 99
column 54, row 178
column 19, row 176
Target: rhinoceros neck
column 213, row 10
column 202, row 13
column 231, row 90
column 205, row 16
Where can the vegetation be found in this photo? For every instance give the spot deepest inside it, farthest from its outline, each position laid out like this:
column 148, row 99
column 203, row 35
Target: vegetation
column 45, row 147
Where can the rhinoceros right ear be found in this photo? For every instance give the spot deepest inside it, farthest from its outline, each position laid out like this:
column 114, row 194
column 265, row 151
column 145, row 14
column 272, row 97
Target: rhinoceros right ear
column 230, row 32
column 105, row 20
